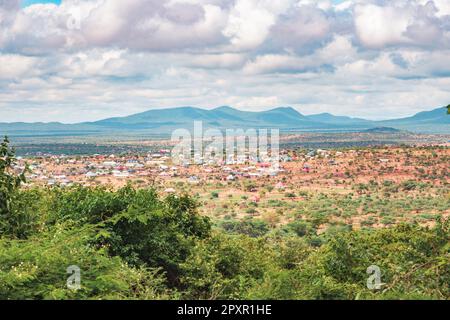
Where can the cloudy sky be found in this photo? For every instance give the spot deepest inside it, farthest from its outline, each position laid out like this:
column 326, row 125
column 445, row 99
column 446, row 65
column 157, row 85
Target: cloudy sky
column 77, row 60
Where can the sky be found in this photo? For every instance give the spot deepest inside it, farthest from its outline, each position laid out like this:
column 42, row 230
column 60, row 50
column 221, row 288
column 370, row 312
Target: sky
column 26, row 3
column 83, row 60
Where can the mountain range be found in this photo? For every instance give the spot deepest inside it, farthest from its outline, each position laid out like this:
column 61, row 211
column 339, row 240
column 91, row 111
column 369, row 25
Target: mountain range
column 287, row 119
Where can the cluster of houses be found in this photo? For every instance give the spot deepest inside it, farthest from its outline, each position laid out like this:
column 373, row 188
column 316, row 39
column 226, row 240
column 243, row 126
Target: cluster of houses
column 66, row 170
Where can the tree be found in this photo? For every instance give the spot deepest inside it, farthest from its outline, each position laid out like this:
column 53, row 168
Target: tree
column 36, row 268
column 11, row 222
column 448, row 109
column 156, row 233
column 226, row 267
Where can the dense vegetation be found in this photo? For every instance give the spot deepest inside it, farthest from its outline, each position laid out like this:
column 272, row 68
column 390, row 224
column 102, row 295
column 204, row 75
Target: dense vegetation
column 133, row 244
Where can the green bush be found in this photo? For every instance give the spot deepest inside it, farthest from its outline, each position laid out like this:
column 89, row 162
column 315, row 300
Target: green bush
column 37, row 269
column 134, row 244
column 251, row 228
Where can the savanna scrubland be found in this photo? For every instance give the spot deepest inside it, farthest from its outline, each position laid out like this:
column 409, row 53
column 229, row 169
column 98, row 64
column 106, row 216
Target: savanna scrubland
column 134, row 243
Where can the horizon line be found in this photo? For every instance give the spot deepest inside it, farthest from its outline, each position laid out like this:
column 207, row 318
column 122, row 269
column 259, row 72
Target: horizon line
column 218, row 107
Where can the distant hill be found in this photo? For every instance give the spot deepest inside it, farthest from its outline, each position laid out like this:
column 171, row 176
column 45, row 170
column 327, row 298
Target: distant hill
column 223, row 117
column 164, row 121
column 383, row 130
column 341, row 120
column 434, row 121
column 435, row 116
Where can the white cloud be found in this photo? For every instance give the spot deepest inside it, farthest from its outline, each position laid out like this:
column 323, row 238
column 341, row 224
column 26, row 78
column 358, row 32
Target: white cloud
column 15, row 66
column 443, row 6
column 378, row 26
column 89, row 59
column 340, row 49
column 217, row 61
column 401, row 23
column 250, row 21
column 300, row 27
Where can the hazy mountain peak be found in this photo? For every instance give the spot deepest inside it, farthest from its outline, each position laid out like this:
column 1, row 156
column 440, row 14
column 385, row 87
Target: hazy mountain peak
column 290, row 111
column 224, row 108
column 163, row 121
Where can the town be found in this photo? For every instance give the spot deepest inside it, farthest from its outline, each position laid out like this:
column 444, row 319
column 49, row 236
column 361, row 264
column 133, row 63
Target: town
column 297, row 188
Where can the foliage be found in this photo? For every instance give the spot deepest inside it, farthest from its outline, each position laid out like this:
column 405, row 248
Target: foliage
column 156, row 233
column 134, row 244
column 225, row 267
column 414, row 261
column 12, row 222
column 251, row 228
column 36, row 269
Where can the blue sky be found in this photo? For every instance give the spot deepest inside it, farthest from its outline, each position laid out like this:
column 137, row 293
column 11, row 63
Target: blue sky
column 375, row 59
column 26, row 3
